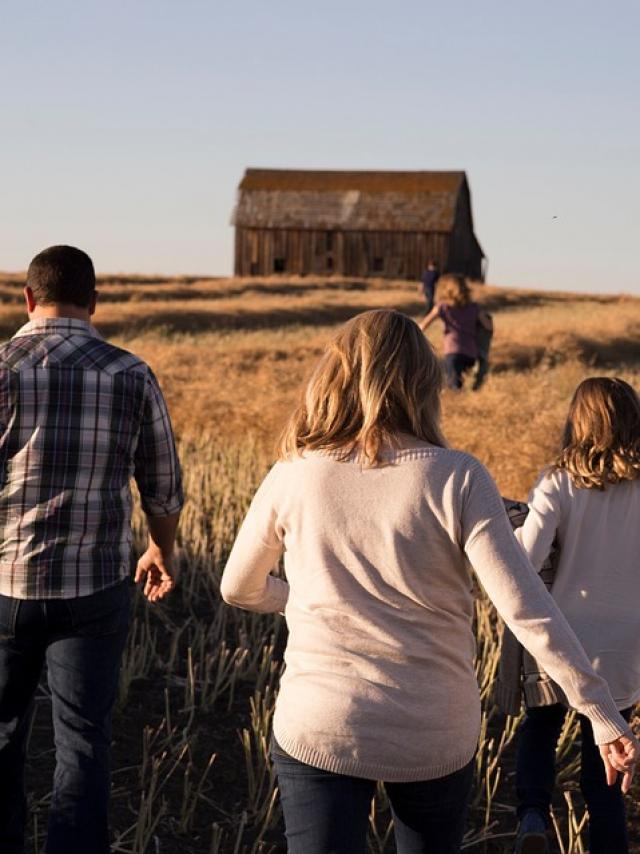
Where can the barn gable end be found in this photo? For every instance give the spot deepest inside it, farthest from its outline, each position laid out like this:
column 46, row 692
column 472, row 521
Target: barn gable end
column 354, row 223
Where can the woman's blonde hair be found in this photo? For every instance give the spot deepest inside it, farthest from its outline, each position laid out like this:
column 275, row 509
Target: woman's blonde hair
column 601, row 441
column 378, row 377
column 453, row 289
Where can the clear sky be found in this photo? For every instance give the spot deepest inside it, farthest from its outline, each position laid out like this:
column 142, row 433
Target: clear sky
column 126, row 126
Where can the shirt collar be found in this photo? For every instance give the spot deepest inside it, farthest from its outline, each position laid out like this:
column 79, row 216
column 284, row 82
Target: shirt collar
column 61, row 325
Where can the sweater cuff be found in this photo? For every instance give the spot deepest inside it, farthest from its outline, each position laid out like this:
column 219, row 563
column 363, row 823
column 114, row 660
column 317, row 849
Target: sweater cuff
column 278, row 593
column 606, row 721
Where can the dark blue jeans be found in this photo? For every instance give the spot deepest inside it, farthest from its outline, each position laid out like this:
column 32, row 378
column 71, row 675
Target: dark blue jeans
column 535, row 777
column 455, row 366
column 482, row 369
column 429, row 292
column 81, row 641
column 326, row 813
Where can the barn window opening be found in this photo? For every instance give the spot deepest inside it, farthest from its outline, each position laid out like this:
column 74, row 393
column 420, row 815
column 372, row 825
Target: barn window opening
column 329, row 264
column 279, row 265
column 378, row 265
column 329, row 241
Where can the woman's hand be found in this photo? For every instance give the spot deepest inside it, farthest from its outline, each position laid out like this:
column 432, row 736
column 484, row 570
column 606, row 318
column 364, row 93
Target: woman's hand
column 620, row 757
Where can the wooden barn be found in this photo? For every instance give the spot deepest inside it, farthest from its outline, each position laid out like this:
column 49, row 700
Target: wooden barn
column 386, row 224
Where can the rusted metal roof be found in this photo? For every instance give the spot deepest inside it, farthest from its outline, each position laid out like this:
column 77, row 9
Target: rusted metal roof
column 322, row 181
column 359, row 201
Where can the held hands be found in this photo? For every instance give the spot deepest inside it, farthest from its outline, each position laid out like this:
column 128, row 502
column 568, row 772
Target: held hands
column 156, row 570
column 621, row 756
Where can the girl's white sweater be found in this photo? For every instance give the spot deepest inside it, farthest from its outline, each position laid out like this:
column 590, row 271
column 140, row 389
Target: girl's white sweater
column 597, row 580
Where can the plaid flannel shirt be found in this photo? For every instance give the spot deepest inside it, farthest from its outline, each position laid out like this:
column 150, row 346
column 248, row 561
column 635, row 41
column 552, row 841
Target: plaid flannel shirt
column 78, row 418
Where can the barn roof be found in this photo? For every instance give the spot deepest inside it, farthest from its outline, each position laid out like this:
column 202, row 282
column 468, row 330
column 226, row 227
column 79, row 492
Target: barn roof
column 359, row 201
column 319, row 180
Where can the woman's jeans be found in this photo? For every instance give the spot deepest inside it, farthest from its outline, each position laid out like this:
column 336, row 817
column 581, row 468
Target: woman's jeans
column 81, row 641
column 326, row 813
column 535, row 776
column 455, row 365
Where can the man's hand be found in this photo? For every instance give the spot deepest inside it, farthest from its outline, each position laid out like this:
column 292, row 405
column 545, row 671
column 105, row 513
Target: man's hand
column 157, row 572
column 156, row 564
column 620, row 756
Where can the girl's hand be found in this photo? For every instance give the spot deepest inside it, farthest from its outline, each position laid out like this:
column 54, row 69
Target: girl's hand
column 428, row 319
column 620, row 756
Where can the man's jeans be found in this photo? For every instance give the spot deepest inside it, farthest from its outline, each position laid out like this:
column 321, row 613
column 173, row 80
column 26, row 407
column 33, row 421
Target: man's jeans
column 330, row 812
column 82, row 641
column 535, row 776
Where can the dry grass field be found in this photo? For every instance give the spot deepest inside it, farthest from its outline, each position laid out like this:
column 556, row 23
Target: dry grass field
column 191, row 767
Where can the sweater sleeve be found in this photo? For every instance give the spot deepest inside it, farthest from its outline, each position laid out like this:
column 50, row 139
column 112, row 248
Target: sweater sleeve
column 247, row 581
column 545, row 513
column 527, row 608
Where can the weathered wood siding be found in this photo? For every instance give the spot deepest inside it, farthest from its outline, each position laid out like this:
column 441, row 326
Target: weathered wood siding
column 388, row 254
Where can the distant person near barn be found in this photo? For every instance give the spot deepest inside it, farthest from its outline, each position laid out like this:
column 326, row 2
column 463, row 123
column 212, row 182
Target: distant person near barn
column 461, row 317
column 428, row 283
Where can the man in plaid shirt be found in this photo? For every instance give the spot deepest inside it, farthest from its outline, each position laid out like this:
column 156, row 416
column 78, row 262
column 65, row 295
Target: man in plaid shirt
column 78, row 419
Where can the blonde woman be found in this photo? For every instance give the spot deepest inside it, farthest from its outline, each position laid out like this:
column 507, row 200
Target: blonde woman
column 590, row 500
column 378, row 520
column 461, row 317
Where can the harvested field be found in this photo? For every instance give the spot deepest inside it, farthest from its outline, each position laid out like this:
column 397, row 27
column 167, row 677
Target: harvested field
column 191, row 767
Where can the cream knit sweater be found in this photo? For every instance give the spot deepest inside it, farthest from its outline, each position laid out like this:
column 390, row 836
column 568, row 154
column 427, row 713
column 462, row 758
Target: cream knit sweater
column 379, row 680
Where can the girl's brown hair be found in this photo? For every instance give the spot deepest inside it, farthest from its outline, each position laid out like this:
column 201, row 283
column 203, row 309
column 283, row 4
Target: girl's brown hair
column 453, row 289
column 378, row 377
column 601, row 441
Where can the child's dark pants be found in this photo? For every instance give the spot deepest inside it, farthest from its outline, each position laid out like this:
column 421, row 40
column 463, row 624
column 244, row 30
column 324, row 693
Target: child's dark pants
column 535, row 776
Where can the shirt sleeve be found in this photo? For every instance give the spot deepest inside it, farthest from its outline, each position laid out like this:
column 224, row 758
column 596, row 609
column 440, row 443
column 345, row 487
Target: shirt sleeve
column 527, row 608
column 247, row 581
column 156, row 465
column 545, row 514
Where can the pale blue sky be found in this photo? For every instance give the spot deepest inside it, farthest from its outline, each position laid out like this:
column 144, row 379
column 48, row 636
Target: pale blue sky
column 126, row 126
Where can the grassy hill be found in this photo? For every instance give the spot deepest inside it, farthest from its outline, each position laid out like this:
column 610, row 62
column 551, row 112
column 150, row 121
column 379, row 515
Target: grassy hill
column 231, row 354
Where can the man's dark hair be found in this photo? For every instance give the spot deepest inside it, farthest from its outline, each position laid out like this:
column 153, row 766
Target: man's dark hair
column 62, row 274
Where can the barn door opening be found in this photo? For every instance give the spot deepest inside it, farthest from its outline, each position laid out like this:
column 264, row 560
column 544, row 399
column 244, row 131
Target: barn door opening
column 329, row 247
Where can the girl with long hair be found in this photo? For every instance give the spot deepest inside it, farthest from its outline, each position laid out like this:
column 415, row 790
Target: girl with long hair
column 379, row 522
column 462, row 318
column 589, row 500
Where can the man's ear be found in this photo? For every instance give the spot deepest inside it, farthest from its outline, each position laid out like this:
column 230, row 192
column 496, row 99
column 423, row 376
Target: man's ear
column 92, row 304
column 29, row 299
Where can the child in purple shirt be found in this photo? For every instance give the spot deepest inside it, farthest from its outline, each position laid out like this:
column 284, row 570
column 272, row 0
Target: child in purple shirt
column 461, row 317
